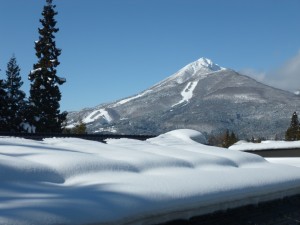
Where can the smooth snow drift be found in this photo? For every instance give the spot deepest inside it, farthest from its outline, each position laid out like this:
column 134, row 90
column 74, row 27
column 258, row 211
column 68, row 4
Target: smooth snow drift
column 286, row 161
column 74, row 181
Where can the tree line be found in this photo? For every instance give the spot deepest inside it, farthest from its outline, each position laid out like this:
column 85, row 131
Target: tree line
column 228, row 138
column 224, row 140
column 40, row 112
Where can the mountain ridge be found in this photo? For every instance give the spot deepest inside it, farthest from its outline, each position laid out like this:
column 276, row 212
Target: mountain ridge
column 201, row 96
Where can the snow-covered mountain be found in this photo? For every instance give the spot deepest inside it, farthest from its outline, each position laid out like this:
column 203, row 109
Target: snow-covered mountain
column 202, row 96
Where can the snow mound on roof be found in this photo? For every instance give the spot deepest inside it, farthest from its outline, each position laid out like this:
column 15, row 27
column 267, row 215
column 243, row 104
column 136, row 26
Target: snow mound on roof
column 73, row 181
column 181, row 135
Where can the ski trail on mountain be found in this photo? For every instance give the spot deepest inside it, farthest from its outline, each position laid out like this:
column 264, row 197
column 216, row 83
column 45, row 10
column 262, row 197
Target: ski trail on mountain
column 187, row 92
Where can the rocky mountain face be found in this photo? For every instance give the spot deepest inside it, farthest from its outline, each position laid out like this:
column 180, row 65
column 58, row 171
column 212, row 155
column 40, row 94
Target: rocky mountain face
column 201, row 96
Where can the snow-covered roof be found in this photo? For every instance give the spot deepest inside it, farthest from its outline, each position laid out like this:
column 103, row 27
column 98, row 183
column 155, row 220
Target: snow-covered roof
column 74, row 181
column 264, row 145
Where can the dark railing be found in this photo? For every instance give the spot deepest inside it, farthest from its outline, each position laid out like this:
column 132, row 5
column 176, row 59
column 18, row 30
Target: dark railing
column 289, row 152
column 93, row 137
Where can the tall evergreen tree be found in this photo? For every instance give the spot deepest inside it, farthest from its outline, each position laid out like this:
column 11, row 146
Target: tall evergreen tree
column 293, row 132
column 44, row 92
column 15, row 97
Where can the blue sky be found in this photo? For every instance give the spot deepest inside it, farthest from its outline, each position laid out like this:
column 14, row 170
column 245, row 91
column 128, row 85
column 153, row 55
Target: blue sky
column 113, row 49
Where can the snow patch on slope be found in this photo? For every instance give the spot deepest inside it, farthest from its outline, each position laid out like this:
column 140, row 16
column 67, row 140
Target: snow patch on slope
column 96, row 115
column 187, row 92
column 131, row 98
column 107, row 129
column 238, row 98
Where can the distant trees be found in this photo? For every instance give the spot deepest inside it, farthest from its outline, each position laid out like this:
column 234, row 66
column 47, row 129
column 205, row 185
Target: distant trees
column 229, row 139
column 80, row 128
column 224, row 140
column 293, row 132
column 44, row 91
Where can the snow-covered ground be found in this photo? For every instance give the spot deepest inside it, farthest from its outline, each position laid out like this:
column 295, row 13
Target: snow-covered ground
column 294, row 161
column 244, row 146
column 74, row 181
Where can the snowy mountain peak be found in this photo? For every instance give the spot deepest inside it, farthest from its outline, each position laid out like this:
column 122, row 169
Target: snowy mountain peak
column 199, row 68
column 204, row 63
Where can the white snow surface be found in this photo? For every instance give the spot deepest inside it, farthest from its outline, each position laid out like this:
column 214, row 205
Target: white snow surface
column 244, row 146
column 187, row 92
column 36, row 70
column 131, row 98
column 200, row 68
column 294, row 161
column 96, row 115
column 74, row 181
column 239, row 98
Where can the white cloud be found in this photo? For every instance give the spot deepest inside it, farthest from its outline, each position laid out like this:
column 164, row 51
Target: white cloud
column 286, row 77
column 259, row 76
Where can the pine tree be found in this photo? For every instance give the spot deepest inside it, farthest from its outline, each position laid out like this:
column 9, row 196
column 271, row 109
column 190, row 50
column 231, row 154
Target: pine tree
column 293, row 132
column 44, row 92
column 3, row 107
column 226, row 140
column 15, row 97
column 233, row 138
